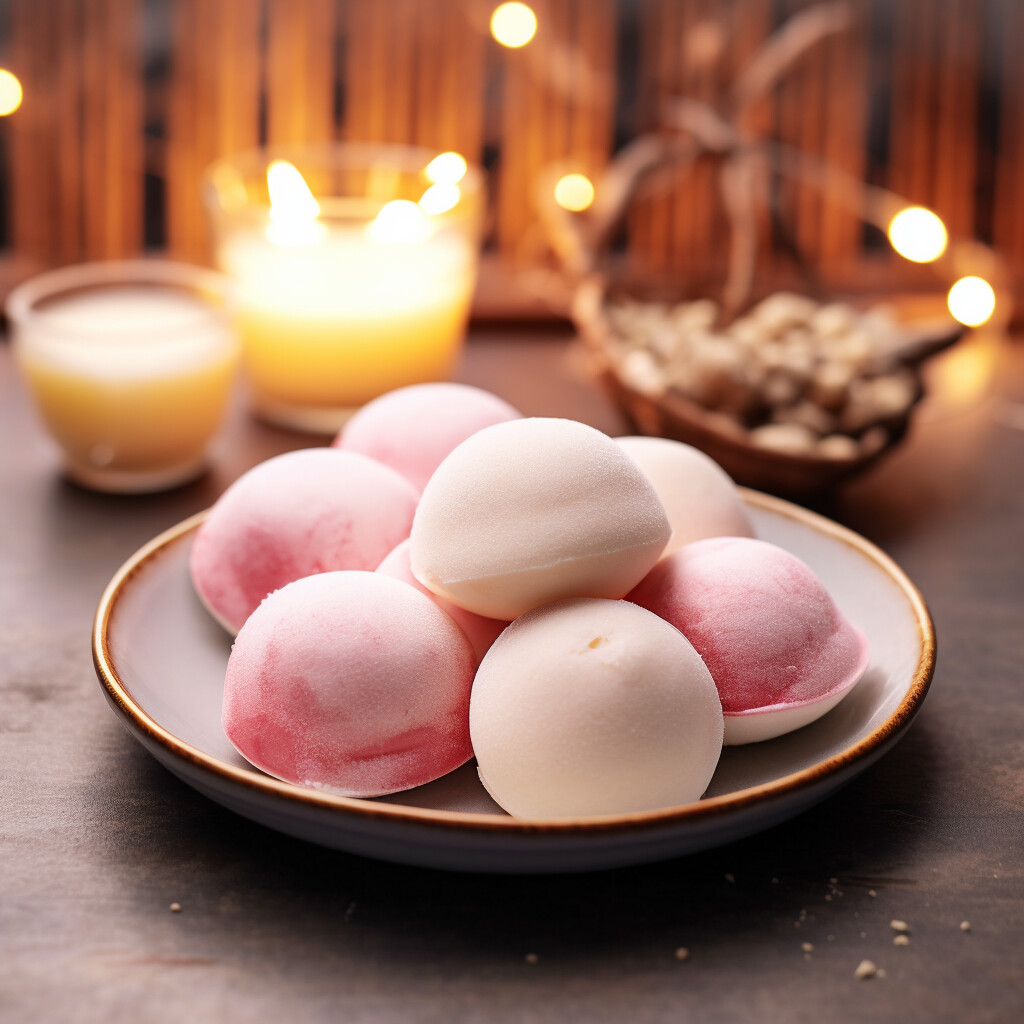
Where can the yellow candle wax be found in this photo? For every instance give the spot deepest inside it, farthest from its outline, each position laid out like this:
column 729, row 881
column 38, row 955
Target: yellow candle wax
column 354, row 269
column 331, row 325
column 132, row 381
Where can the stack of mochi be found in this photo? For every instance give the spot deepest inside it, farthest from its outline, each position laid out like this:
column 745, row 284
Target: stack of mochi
column 590, row 618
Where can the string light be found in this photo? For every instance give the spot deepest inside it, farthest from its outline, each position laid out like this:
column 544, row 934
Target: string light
column 11, row 92
column 513, row 24
column 574, row 192
column 971, row 301
column 446, row 169
column 918, row 235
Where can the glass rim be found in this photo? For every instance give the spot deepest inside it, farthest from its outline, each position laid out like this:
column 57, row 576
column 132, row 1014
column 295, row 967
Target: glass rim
column 251, row 164
column 23, row 303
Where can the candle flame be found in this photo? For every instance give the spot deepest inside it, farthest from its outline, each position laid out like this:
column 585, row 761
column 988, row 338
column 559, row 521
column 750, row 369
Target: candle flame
column 401, row 220
column 293, row 208
column 439, row 198
column 446, row 169
column 290, row 196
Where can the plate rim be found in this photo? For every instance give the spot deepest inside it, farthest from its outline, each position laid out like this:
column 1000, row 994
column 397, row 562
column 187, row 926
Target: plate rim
column 701, row 810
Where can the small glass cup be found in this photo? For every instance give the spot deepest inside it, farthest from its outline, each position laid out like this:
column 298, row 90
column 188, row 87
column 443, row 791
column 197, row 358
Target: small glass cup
column 355, row 267
column 131, row 364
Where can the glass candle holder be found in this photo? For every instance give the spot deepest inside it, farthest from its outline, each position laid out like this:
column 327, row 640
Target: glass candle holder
column 130, row 365
column 355, row 268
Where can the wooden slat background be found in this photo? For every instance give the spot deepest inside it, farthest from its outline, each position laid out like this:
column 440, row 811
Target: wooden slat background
column 126, row 101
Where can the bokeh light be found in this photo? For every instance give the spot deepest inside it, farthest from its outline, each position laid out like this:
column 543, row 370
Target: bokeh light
column 10, row 92
column 574, row 192
column 446, row 169
column 918, row 235
column 439, row 198
column 971, row 301
column 513, row 24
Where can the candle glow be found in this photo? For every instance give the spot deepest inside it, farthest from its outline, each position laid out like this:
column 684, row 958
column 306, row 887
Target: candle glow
column 439, row 198
column 345, row 295
column 446, row 169
column 293, row 208
column 399, row 221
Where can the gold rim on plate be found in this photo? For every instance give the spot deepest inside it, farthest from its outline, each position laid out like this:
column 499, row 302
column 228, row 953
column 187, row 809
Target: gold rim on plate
column 790, row 784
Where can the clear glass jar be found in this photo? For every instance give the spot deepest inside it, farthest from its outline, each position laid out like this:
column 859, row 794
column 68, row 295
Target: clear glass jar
column 355, row 267
column 130, row 364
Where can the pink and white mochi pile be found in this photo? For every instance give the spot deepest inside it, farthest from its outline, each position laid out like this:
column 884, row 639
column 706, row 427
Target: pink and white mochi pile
column 590, row 618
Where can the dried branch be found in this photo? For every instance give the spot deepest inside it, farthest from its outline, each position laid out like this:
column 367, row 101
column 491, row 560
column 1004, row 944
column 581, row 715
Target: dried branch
column 784, row 47
column 739, row 184
column 623, row 176
column 704, row 123
column 579, row 240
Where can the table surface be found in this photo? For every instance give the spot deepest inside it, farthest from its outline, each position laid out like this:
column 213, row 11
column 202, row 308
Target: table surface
column 97, row 840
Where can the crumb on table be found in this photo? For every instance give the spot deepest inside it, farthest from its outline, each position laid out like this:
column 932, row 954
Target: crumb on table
column 865, row 969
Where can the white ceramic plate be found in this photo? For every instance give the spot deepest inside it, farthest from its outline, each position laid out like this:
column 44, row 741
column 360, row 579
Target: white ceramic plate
column 161, row 660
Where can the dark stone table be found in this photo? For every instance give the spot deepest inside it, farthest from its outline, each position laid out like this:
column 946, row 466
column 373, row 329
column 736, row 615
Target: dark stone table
column 97, row 840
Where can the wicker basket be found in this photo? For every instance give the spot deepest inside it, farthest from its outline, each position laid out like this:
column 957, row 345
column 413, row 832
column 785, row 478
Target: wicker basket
column 674, row 416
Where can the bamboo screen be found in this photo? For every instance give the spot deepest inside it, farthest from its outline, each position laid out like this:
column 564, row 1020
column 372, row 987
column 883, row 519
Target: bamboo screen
column 126, row 101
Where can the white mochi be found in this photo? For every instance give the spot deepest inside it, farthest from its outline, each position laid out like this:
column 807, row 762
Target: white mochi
column 699, row 497
column 534, row 510
column 594, row 707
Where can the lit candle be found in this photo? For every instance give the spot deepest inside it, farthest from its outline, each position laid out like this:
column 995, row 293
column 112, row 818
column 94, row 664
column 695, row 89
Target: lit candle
column 130, row 365
column 344, row 295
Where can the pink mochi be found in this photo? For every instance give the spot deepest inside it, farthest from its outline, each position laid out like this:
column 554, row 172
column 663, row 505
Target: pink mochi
column 352, row 683
column 481, row 631
column 413, row 429
column 766, row 627
column 306, row 512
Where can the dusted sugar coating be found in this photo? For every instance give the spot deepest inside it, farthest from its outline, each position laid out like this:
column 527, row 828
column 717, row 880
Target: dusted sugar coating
column 590, row 707
column 699, row 497
column 295, row 515
column 413, row 429
column 481, row 632
column 765, row 626
column 352, row 683
column 533, row 511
